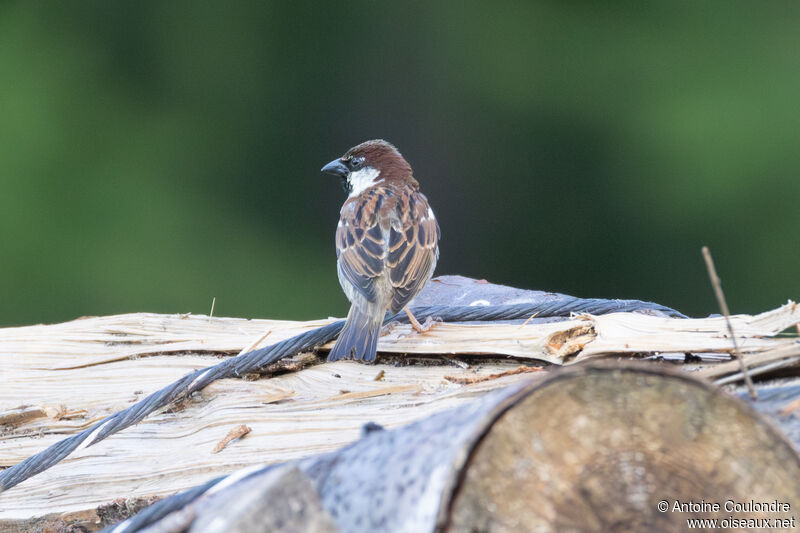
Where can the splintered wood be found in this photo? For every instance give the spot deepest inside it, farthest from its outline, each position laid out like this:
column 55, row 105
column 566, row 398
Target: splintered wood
column 59, row 379
column 101, row 340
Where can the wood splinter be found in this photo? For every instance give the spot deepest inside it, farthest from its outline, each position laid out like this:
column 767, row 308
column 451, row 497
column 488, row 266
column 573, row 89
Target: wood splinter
column 478, row 379
column 236, row 433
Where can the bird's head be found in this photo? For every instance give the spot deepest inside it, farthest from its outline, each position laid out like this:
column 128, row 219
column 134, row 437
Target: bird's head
column 368, row 164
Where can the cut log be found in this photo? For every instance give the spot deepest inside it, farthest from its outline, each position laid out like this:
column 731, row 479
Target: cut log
column 590, row 448
column 597, row 449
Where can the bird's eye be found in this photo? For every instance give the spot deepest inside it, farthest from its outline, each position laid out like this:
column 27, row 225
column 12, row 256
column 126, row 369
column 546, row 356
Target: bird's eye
column 356, row 163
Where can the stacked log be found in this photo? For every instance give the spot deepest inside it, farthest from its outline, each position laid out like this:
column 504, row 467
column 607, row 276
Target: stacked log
column 609, row 447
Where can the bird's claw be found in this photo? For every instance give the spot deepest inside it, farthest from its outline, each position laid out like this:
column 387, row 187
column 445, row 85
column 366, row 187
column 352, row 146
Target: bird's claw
column 425, row 326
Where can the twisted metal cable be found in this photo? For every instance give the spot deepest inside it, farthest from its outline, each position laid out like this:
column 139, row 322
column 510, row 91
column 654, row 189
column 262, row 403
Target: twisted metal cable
column 562, row 307
column 258, row 359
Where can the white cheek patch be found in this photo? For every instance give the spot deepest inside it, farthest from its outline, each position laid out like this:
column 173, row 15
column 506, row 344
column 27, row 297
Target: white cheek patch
column 362, row 179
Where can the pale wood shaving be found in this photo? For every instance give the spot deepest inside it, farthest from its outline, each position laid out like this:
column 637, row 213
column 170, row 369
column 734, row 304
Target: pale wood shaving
column 236, row 433
column 469, row 380
column 277, row 397
column 375, row 392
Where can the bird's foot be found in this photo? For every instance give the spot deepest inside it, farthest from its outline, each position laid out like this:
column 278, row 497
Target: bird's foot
column 420, row 328
column 388, row 328
column 428, row 324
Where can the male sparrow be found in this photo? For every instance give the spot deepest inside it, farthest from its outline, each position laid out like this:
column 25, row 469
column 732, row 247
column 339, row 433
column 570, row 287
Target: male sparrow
column 386, row 243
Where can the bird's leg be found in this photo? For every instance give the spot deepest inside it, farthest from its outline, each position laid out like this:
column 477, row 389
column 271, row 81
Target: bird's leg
column 419, row 328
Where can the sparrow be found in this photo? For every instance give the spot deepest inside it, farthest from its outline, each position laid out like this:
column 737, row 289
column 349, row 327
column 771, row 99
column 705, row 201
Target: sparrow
column 386, row 243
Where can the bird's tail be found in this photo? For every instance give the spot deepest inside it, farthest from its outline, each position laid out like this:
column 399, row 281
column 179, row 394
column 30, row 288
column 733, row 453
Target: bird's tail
column 359, row 337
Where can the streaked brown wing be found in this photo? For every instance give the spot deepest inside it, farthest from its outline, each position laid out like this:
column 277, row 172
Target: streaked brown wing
column 413, row 251
column 360, row 245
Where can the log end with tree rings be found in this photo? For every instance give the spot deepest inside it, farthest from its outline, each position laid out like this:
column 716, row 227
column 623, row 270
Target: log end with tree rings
column 622, row 448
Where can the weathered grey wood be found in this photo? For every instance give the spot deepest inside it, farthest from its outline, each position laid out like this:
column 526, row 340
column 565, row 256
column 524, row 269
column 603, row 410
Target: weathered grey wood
column 281, row 500
column 779, row 401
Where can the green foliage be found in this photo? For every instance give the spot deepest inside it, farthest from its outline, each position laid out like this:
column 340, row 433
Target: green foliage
column 155, row 155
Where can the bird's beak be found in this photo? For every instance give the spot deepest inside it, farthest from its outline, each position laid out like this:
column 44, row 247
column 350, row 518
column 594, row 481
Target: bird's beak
column 337, row 168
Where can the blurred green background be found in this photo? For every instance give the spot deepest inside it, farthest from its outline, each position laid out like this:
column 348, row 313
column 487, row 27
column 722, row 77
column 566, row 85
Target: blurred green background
column 154, row 155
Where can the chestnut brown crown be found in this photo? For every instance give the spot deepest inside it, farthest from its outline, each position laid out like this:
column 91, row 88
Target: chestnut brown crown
column 378, row 154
